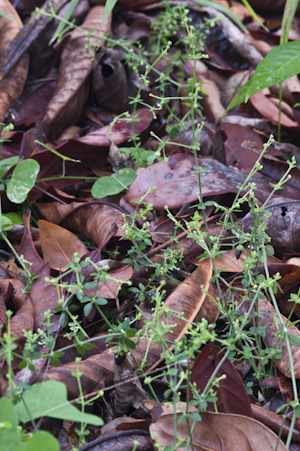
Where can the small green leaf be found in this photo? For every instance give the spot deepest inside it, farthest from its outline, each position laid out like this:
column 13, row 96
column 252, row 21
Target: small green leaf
column 7, row 164
column 50, row 399
column 87, row 308
column 113, row 184
column 101, row 301
column 15, row 218
column 5, row 223
column 22, row 180
column 294, row 340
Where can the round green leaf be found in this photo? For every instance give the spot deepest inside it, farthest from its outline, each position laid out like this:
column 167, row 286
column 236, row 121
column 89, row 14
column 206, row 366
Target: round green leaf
column 22, row 180
column 113, row 184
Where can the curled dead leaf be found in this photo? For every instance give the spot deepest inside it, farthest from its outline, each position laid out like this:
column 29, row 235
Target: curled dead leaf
column 217, row 432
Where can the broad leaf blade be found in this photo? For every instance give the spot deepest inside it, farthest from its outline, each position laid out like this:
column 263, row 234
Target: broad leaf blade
column 281, row 63
column 50, row 399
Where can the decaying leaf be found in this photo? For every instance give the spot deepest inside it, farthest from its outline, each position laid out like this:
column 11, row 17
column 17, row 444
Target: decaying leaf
column 271, row 340
column 130, row 391
column 176, row 182
column 73, row 84
column 59, row 245
column 217, row 432
column 12, row 84
column 231, row 392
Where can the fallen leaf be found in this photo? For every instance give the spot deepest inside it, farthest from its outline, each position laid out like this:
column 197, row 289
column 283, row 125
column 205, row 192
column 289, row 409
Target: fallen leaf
column 231, row 392
column 271, row 340
column 217, row 432
column 59, row 245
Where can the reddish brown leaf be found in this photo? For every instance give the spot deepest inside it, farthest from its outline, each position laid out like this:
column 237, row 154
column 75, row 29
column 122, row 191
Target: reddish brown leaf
column 22, row 320
column 274, row 421
column 267, row 109
column 92, row 219
column 231, row 392
column 176, row 182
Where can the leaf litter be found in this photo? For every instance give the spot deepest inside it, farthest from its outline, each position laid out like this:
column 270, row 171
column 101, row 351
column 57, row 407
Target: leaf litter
column 64, row 106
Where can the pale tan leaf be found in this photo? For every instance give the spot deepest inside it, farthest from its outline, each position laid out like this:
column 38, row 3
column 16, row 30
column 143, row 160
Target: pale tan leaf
column 218, row 432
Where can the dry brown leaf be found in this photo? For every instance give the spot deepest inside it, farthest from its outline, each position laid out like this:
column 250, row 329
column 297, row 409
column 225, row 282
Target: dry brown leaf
column 59, row 245
column 44, row 297
column 128, row 391
column 271, row 341
column 73, row 85
column 27, row 248
column 218, row 432
column 12, row 84
column 93, row 219
column 274, row 421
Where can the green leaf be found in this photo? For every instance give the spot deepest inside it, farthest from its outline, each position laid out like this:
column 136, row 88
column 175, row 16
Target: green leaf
column 50, row 400
column 294, row 340
column 7, row 164
column 22, row 180
column 109, row 6
column 87, row 308
column 253, row 13
column 62, row 24
column 280, row 63
column 14, row 217
column 5, row 223
column 113, row 184
column 287, row 20
column 42, row 441
column 3, row 14
column 9, row 436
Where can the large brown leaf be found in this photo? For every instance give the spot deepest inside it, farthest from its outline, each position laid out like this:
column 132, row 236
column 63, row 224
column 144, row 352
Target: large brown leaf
column 231, row 392
column 93, row 219
column 12, row 84
column 218, row 432
column 73, row 84
column 59, row 245
column 282, row 225
column 177, row 183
